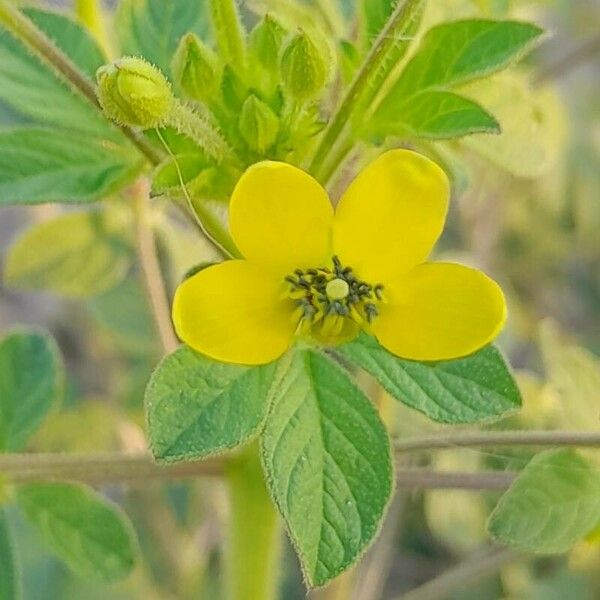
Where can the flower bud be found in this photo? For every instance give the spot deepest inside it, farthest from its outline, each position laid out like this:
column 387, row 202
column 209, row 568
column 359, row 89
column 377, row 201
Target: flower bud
column 265, row 42
column 303, row 69
column 259, row 125
column 195, row 68
column 134, row 92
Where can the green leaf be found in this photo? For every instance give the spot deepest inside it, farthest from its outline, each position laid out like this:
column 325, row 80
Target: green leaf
column 196, row 407
column 46, row 165
column 77, row 255
column 31, row 383
column 433, row 114
column 91, row 535
column 33, row 90
column 553, row 503
column 455, row 53
column 10, row 588
column 327, row 459
column 476, row 388
column 153, row 28
column 375, row 13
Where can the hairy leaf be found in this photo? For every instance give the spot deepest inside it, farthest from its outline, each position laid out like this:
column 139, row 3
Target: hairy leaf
column 327, row 459
column 476, row 388
column 31, row 382
column 91, row 535
column 44, row 165
column 553, row 503
column 77, row 255
column 196, row 407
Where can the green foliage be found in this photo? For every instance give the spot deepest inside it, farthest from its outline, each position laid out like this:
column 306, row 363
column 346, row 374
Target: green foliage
column 34, row 91
column 152, row 28
column 451, row 54
column 196, row 407
column 9, row 583
column 327, row 459
column 433, row 114
column 91, row 535
column 46, row 165
column 476, row 388
column 31, row 383
column 553, row 503
column 77, row 255
column 375, row 13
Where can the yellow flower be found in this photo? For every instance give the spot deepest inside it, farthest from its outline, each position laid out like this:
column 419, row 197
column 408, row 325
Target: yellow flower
column 309, row 272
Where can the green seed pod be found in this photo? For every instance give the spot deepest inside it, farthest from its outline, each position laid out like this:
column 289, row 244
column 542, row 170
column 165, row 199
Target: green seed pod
column 195, row 68
column 303, row 69
column 134, row 92
column 258, row 124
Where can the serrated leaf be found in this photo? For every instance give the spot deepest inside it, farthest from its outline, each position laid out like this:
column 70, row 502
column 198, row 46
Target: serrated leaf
column 433, row 114
column 327, row 459
column 76, row 255
column 476, row 388
column 10, row 588
column 455, row 53
column 196, row 407
column 33, row 90
column 153, row 28
column 89, row 533
column 47, row 165
column 31, row 382
column 553, row 503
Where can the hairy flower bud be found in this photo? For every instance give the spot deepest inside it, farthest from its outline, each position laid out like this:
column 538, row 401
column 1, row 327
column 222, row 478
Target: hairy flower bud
column 265, row 41
column 259, row 125
column 303, row 69
column 134, row 92
column 195, row 68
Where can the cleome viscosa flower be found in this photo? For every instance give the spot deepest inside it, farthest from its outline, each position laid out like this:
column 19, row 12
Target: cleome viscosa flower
column 311, row 272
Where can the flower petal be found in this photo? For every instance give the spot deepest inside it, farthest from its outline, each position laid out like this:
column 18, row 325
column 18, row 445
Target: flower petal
column 440, row 311
column 391, row 215
column 233, row 312
column 281, row 217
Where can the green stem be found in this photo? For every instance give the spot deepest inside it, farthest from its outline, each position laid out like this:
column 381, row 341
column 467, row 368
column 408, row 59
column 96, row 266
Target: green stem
column 188, row 122
column 228, row 31
column 487, row 439
column 25, row 31
column 254, row 537
column 388, row 49
column 90, row 14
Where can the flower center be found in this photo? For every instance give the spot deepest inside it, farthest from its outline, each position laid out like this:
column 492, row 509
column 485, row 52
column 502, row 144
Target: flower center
column 332, row 297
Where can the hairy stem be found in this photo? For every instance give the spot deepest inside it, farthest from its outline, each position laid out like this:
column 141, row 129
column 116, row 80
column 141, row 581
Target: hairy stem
column 477, row 567
column 487, row 439
column 253, row 549
column 25, row 31
column 388, row 49
column 150, row 267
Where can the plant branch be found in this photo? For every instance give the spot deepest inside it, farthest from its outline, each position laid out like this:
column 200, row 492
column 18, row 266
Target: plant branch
column 150, row 267
column 475, row 568
column 489, row 439
column 25, row 31
column 388, row 48
column 121, row 467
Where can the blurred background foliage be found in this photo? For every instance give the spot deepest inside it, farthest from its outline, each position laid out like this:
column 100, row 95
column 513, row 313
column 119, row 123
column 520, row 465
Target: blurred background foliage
column 527, row 211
